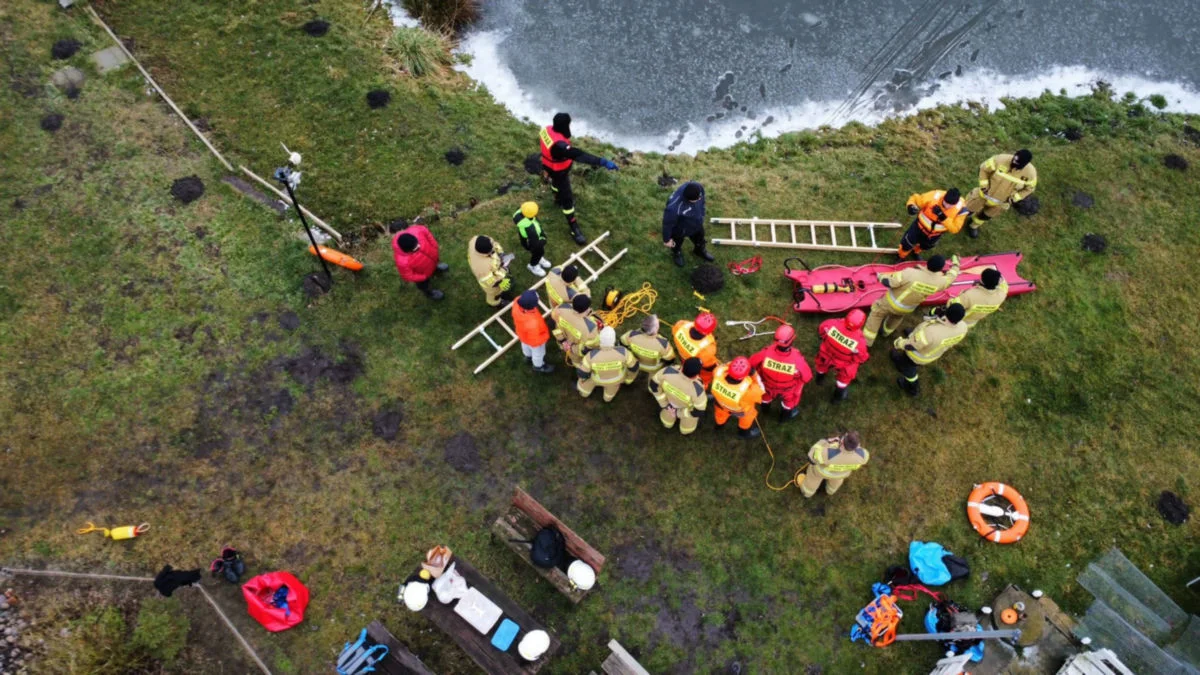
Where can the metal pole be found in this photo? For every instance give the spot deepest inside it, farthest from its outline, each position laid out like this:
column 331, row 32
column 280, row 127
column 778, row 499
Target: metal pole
column 316, row 248
column 961, row 635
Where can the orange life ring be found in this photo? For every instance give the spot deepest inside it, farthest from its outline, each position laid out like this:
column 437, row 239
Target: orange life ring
column 981, row 507
column 338, row 258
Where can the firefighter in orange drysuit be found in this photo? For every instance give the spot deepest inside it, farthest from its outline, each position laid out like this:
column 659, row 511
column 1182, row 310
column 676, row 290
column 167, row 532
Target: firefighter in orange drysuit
column 737, row 394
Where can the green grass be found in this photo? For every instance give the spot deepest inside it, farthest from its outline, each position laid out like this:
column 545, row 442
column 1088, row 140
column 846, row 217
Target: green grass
column 148, row 377
column 419, row 51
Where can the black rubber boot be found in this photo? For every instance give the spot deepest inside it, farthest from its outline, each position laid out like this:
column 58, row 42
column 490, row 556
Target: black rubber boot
column 546, row 369
column 749, row 434
column 819, row 378
column 910, row 388
column 840, row 395
column 435, row 294
column 785, row 414
column 677, row 256
column 577, row 234
column 973, row 232
column 702, row 251
column 442, row 267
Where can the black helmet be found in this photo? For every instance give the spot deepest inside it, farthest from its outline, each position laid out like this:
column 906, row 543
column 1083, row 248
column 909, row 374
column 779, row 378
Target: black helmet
column 483, row 245
column 990, row 278
column 562, row 124
column 955, row 313
column 1021, row 158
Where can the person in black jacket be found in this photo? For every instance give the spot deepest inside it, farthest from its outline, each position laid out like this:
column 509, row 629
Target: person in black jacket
column 684, row 219
column 558, row 154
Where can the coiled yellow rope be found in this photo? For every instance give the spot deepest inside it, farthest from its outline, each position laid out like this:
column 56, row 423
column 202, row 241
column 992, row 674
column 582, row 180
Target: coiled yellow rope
column 641, row 300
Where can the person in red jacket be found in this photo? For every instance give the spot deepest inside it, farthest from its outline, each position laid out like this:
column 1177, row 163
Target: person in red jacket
column 783, row 371
column 844, row 349
column 416, row 254
column 532, row 331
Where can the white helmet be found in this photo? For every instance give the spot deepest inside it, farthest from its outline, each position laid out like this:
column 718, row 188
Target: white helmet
column 608, row 337
column 582, row 575
column 416, row 595
column 533, row 645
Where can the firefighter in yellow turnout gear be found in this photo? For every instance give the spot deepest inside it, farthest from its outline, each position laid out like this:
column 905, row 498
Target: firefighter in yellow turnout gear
column 563, row 284
column 680, row 393
column 651, row 349
column 831, row 460
column 487, row 262
column 1004, row 180
column 927, row 343
column 907, row 289
column 608, row 367
column 574, row 329
column 983, row 298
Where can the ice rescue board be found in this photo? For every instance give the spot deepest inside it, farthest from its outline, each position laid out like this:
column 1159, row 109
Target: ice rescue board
column 834, row 289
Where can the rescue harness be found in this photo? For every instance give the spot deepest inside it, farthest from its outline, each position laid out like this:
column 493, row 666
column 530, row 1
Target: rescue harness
column 751, row 327
column 747, row 266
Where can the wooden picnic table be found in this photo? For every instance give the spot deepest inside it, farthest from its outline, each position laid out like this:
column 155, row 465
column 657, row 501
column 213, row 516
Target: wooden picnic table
column 521, row 523
column 399, row 660
column 477, row 645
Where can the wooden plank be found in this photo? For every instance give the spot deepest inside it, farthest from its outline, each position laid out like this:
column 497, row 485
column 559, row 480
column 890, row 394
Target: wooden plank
column 621, row 662
column 399, row 660
column 477, row 645
column 575, row 544
column 516, row 524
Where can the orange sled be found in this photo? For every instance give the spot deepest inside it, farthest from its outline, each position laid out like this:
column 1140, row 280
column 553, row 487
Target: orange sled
column 338, row 258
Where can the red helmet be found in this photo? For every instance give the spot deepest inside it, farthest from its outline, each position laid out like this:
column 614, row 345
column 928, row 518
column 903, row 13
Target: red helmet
column 784, row 335
column 705, row 323
column 739, row 368
column 855, row 319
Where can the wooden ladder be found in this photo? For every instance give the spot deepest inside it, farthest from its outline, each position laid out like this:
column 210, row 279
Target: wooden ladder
column 809, row 235
column 503, row 317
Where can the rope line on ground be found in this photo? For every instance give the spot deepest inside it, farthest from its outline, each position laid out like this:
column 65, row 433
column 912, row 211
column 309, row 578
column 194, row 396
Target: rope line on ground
column 796, row 479
column 116, row 577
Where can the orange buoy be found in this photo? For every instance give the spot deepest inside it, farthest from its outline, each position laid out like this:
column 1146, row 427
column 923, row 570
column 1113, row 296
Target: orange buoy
column 988, row 514
column 338, row 258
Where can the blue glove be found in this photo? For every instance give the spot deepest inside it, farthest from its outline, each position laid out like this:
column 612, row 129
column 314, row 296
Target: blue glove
column 608, row 164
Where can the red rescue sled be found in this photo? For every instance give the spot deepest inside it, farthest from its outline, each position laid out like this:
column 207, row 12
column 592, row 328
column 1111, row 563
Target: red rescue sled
column 834, row 289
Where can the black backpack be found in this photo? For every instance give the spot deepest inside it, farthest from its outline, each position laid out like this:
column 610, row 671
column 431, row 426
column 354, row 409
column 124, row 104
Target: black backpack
column 548, row 548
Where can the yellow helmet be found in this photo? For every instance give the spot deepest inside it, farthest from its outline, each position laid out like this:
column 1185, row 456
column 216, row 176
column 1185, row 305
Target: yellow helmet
column 529, row 209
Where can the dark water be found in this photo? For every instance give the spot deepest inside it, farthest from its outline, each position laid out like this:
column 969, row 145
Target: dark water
column 642, row 72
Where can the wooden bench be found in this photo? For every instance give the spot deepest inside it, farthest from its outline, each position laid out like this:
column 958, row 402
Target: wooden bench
column 620, row 662
column 399, row 660
column 477, row 645
column 525, row 516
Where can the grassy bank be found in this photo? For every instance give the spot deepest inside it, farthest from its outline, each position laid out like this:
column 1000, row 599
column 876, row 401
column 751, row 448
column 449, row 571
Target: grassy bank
column 164, row 366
